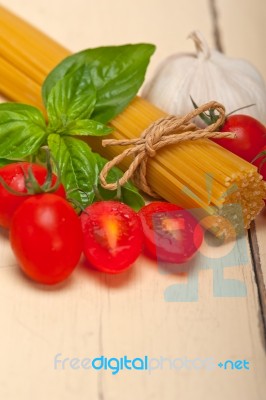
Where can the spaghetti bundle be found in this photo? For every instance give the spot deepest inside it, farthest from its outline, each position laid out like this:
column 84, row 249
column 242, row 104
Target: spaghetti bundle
column 199, row 175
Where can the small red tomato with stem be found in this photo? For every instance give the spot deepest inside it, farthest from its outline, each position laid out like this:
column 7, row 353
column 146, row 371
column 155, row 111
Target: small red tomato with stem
column 46, row 238
column 250, row 136
column 20, row 180
column 171, row 234
column 112, row 236
column 250, row 133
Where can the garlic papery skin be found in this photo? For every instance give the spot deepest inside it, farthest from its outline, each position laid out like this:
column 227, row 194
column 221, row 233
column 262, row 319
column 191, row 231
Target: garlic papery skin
column 205, row 76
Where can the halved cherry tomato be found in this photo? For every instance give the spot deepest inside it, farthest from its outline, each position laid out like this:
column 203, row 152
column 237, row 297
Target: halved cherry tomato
column 171, row 234
column 46, row 238
column 112, row 236
column 14, row 176
column 250, row 136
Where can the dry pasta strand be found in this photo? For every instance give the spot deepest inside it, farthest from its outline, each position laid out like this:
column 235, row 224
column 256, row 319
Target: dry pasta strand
column 198, row 175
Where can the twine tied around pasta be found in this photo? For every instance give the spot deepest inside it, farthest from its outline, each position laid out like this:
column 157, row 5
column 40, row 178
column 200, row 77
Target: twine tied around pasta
column 165, row 131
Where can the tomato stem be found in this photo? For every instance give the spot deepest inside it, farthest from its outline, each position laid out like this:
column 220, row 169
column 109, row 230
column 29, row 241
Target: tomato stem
column 79, row 208
column 211, row 117
column 11, row 190
column 263, row 161
column 118, row 191
column 31, row 183
column 240, row 108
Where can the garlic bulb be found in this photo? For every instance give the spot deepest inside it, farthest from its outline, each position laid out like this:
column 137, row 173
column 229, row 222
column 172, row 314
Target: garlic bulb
column 205, row 76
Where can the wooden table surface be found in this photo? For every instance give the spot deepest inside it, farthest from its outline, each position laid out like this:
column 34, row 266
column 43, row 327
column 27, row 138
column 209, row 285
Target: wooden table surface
column 220, row 310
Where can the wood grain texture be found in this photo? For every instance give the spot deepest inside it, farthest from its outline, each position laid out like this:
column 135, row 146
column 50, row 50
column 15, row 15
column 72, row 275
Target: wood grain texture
column 94, row 314
column 243, row 30
column 258, row 241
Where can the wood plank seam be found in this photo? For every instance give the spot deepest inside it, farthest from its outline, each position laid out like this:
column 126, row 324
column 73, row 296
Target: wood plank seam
column 256, row 264
column 216, row 32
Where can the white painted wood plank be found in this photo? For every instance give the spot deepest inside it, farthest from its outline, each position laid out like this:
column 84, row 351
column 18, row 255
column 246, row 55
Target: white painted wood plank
column 243, row 30
column 94, row 314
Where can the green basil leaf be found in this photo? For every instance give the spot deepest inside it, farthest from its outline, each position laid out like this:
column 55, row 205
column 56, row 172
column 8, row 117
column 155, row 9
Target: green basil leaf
column 128, row 196
column 22, row 130
column 78, row 166
column 72, row 97
column 132, row 198
column 4, row 162
column 87, row 127
column 80, row 169
column 129, row 193
column 117, row 72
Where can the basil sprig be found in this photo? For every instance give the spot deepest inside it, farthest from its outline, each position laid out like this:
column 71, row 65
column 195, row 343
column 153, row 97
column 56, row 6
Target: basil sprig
column 81, row 95
column 22, row 130
column 117, row 72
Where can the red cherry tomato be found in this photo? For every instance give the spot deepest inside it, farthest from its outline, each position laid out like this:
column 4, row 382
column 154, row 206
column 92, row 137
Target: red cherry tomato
column 250, row 136
column 261, row 162
column 46, row 238
column 13, row 175
column 171, row 233
column 112, row 236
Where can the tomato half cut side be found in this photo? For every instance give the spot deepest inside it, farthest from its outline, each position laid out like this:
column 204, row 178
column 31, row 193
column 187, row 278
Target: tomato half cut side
column 171, row 234
column 112, row 236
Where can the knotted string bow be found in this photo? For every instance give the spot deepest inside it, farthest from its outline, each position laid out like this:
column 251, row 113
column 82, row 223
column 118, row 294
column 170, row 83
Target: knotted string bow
column 163, row 132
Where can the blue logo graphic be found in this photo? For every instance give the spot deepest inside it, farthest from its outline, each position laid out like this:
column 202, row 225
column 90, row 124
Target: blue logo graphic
column 234, row 251
column 145, row 363
column 232, row 365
